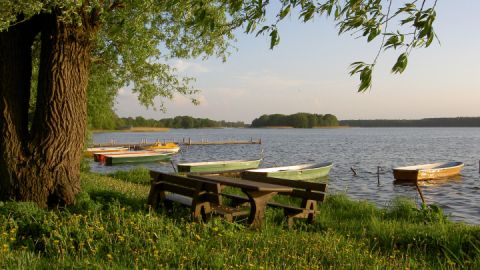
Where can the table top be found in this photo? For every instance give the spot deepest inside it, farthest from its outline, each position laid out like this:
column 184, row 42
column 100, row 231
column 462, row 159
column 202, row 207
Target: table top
column 242, row 183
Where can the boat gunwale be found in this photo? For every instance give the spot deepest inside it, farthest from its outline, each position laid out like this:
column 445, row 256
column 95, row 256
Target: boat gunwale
column 205, row 163
column 93, row 149
column 431, row 166
column 137, row 155
column 293, row 168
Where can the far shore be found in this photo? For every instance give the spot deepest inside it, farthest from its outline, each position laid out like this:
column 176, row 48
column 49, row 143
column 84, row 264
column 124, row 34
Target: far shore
column 134, row 129
column 164, row 129
column 282, row 127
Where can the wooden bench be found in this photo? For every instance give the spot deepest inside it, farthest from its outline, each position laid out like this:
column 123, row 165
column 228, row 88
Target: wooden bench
column 309, row 192
column 202, row 197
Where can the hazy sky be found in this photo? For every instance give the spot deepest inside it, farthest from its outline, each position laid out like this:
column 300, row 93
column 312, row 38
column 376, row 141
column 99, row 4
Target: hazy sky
column 308, row 72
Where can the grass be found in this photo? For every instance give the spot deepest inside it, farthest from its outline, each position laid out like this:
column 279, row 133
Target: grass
column 110, row 227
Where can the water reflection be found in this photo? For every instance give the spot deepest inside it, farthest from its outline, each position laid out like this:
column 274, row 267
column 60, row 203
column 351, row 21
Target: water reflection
column 451, row 180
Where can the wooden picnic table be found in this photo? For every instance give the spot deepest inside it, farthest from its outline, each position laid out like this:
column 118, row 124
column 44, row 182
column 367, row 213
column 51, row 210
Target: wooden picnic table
column 258, row 194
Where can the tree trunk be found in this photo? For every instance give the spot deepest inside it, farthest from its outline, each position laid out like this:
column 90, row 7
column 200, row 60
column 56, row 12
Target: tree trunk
column 43, row 164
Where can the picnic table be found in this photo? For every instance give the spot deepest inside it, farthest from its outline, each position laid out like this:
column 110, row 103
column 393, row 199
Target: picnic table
column 258, row 194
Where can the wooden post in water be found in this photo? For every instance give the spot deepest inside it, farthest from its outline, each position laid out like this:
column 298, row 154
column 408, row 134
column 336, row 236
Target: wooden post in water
column 173, row 166
column 353, row 170
column 378, row 175
column 421, row 193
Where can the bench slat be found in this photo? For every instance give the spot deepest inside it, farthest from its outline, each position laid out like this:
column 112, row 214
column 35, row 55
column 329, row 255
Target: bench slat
column 225, row 210
column 169, row 178
column 185, row 191
column 179, row 199
column 184, row 181
column 307, row 195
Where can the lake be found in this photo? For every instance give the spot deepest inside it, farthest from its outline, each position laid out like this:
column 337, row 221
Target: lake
column 363, row 149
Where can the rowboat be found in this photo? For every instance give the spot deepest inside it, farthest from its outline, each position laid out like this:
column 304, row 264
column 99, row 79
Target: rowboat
column 427, row 171
column 218, row 166
column 296, row 172
column 100, row 157
column 169, row 147
column 91, row 150
column 151, row 156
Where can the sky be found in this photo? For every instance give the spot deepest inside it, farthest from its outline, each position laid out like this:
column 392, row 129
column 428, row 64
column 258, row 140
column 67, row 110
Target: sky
column 308, row 72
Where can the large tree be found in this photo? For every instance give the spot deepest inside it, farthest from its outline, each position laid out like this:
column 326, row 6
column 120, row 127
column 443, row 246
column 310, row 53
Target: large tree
column 130, row 42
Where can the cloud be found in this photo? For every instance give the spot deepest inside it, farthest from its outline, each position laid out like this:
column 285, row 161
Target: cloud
column 278, row 81
column 185, row 66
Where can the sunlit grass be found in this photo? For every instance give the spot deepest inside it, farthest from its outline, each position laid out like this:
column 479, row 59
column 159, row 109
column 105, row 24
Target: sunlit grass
column 111, row 227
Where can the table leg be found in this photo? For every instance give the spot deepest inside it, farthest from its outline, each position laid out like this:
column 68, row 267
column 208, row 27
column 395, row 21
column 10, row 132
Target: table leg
column 258, row 202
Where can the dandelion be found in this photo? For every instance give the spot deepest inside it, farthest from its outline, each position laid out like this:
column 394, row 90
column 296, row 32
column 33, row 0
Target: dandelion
column 109, row 257
column 5, row 248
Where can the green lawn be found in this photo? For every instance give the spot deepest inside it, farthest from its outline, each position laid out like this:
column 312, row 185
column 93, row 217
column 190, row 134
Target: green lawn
column 111, row 227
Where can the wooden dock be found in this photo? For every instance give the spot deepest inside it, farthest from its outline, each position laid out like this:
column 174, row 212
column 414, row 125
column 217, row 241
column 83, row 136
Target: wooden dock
column 184, row 141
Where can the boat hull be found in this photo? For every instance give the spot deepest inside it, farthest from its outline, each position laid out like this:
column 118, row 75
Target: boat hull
column 427, row 171
column 100, row 157
column 91, row 151
column 118, row 159
column 299, row 172
column 218, row 166
column 164, row 148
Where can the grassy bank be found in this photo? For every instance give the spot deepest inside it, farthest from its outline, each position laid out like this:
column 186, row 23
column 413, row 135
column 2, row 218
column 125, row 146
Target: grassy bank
column 110, row 227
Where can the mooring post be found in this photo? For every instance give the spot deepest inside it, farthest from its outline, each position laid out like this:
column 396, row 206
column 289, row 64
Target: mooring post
column 421, row 194
column 189, row 141
column 353, row 170
column 378, row 175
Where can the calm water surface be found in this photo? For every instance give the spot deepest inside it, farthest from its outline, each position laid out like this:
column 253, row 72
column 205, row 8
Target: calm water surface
column 360, row 148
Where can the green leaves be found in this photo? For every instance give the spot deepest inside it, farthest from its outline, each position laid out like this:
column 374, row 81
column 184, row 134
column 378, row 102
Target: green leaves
column 284, row 12
column 274, row 38
column 307, row 11
column 401, row 63
column 394, row 41
column 365, row 72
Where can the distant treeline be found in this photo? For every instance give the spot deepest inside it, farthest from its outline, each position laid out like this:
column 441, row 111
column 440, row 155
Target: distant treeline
column 177, row 122
column 427, row 122
column 298, row 120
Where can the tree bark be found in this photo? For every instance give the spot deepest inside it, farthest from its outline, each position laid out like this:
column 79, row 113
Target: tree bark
column 43, row 164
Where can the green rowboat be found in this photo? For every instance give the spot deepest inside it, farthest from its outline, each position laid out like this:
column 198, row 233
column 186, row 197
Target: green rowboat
column 218, row 166
column 296, row 172
column 136, row 158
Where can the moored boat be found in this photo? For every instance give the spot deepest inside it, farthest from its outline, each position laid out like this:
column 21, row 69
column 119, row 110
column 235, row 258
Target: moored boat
column 427, row 171
column 91, row 150
column 169, row 147
column 218, row 166
column 151, row 156
column 100, row 157
column 295, row 172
